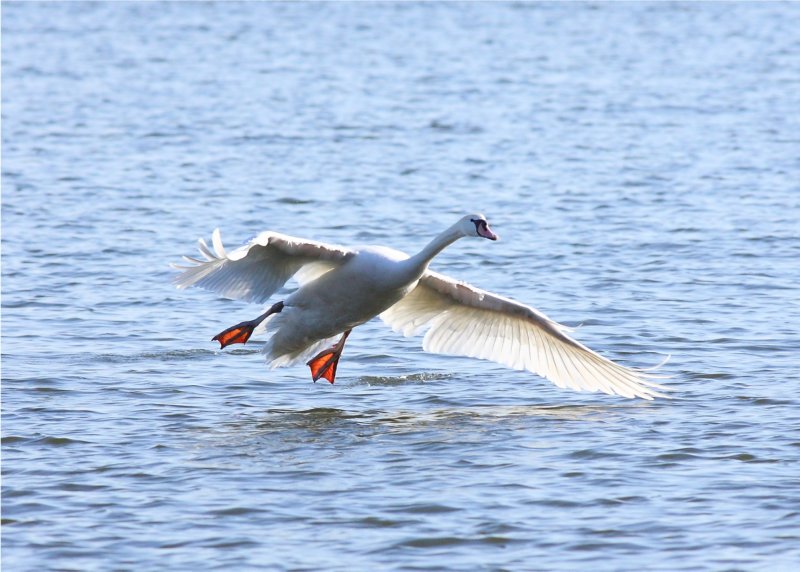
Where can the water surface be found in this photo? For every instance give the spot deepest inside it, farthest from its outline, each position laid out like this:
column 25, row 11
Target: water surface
column 641, row 164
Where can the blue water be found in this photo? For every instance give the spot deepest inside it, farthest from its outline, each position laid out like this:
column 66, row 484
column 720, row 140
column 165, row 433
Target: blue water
column 641, row 163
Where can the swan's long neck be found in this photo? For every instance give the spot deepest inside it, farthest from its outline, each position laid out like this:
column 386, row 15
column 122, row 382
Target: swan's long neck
column 420, row 261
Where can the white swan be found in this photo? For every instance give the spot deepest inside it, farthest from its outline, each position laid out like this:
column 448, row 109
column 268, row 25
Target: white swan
column 341, row 288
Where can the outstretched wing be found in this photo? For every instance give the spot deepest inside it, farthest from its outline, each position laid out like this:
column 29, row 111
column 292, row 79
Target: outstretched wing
column 468, row 321
column 255, row 271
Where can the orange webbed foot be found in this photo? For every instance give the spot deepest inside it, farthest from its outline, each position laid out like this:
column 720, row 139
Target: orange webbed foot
column 238, row 334
column 241, row 332
column 324, row 365
column 325, row 362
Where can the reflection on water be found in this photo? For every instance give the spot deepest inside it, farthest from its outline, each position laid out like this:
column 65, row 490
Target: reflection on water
column 332, row 427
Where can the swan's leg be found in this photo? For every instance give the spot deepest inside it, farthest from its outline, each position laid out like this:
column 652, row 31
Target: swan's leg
column 324, row 363
column 241, row 332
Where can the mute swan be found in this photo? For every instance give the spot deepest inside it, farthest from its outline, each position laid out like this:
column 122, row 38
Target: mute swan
column 341, row 288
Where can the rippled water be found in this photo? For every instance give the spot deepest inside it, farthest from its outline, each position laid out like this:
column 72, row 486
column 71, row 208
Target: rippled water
column 641, row 163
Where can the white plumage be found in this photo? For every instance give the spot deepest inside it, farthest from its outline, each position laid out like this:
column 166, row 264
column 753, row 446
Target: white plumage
column 341, row 288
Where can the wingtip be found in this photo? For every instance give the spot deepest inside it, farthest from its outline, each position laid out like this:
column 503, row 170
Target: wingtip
column 659, row 364
column 216, row 241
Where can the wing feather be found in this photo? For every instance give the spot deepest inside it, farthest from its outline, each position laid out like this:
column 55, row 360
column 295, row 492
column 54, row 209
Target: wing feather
column 508, row 338
column 468, row 321
column 495, row 341
column 256, row 270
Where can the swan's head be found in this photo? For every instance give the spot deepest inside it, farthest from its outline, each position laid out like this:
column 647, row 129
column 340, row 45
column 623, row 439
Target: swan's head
column 476, row 225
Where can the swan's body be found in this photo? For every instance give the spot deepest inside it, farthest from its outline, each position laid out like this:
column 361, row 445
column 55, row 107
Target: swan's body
column 341, row 288
column 363, row 286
